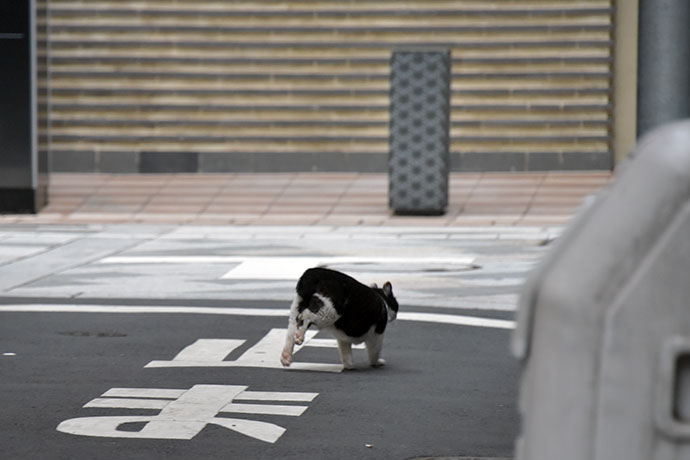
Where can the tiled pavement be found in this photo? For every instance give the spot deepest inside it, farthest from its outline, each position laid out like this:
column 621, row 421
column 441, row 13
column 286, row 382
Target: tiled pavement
column 347, row 199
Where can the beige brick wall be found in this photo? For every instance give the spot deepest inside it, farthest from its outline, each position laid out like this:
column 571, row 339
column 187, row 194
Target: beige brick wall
column 269, row 85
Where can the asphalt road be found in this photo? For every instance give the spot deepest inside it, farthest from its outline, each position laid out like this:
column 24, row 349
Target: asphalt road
column 163, row 342
column 447, row 389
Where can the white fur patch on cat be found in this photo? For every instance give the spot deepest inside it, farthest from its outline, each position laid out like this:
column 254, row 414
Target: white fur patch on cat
column 324, row 317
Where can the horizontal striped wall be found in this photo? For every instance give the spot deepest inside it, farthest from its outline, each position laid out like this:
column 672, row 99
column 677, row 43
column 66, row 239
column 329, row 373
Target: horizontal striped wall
column 216, row 86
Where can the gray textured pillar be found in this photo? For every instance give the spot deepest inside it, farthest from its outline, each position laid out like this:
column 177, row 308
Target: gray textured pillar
column 419, row 131
column 663, row 63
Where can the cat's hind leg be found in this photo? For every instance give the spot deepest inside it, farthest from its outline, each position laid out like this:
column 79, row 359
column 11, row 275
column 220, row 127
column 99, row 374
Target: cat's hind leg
column 374, row 345
column 345, row 350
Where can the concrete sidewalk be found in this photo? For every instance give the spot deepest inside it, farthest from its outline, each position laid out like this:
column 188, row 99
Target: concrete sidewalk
column 303, row 199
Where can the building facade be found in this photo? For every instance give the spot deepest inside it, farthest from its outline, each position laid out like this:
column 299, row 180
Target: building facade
column 265, row 86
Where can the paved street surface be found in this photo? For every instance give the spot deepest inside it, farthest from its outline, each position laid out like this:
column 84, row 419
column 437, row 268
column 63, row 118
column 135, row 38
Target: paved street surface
column 459, row 267
column 447, row 389
column 162, row 341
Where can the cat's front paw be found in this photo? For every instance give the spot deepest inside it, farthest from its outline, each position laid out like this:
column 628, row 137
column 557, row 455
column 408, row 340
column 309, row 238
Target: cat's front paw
column 286, row 358
column 299, row 337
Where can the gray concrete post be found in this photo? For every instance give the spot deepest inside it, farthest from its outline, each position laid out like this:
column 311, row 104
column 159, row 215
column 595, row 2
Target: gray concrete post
column 604, row 322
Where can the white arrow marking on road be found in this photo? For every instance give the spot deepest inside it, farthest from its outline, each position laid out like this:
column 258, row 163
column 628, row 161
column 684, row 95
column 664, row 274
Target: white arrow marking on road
column 440, row 318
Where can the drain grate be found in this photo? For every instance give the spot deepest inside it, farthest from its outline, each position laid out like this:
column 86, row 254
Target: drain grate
column 92, row 334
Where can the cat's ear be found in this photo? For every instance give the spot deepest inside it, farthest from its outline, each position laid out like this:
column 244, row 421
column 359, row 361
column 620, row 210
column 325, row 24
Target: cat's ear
column 388, row 288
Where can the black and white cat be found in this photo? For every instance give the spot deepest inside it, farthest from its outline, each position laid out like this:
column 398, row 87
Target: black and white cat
column 351, row 311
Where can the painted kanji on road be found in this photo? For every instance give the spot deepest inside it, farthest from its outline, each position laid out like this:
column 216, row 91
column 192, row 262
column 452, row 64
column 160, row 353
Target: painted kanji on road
column 184, row 413
column 264, row 354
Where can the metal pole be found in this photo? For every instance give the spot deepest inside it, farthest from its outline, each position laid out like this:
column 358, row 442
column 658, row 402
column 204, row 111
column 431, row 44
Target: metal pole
column 663, row 63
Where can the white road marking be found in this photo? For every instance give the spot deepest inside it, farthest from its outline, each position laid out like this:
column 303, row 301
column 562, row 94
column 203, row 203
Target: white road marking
column 440, row 318
column 143, row 393
column 265, row 354
column 275, row 396
column 128, row 403
column 42, row 308
column 331, row 343
column 272, row 268
column 172, row 260
column 291, row 268
column 188, row 413
column 208, row 350
column 457, row 320
column 264, row 409
column 288, row 267
column 9, row 354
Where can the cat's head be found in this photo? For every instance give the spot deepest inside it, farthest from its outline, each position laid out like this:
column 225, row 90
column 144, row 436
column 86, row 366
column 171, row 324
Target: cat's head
column 387, row 291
